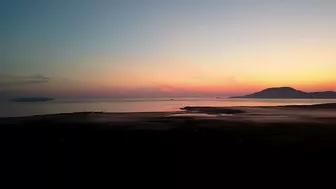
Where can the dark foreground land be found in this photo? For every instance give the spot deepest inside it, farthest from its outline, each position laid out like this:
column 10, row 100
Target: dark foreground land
column 240, row 146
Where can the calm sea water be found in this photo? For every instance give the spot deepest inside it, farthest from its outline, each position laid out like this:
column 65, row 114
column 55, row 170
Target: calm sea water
column 15, row 109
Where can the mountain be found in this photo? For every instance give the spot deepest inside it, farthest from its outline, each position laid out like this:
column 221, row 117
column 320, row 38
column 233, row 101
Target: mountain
column 326, row 94
column 288, row 92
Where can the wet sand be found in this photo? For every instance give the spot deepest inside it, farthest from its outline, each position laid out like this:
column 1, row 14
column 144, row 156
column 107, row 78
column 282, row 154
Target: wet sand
column 193, row 148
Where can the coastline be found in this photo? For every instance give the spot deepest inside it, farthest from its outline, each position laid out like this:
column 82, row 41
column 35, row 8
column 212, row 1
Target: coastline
column 317, row 113
column 157, row 148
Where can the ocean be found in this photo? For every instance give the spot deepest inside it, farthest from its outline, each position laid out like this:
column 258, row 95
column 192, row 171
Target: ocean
column 18, row 109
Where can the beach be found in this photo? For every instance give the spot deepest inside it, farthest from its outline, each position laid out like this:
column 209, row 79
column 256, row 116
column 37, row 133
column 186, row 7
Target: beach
column 181, row 148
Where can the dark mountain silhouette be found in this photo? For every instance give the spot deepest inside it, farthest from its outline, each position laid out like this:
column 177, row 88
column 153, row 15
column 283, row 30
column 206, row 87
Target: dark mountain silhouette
column 325, row 94
column 288, row 92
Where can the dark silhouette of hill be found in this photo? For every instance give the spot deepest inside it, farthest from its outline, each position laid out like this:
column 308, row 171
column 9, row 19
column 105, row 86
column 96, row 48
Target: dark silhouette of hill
column 287, row 92
column 326, row 94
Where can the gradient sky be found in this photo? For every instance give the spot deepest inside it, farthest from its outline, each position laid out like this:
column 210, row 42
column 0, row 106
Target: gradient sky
column 130, row 48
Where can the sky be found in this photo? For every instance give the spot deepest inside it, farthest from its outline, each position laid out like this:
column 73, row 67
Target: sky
column 148, row 48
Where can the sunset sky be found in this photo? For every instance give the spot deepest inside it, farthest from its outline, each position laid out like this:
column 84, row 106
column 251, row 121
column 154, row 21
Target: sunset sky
column 147, row 48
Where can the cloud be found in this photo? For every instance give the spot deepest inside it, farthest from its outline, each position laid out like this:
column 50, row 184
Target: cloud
column 38, row 78
column 13, row 80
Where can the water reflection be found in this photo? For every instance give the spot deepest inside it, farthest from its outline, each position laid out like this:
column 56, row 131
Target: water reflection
column 10, row 109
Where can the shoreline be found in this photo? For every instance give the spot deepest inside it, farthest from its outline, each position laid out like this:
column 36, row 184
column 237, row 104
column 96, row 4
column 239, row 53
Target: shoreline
column 319, row 113
column 155, row 148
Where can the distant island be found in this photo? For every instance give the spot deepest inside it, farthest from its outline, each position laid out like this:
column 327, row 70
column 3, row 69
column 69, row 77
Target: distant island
column 288, row 92
column 32, row 99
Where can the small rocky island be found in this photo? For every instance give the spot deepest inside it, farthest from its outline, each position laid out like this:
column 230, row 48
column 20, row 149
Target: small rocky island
column 32, row 99
column 289, row 92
